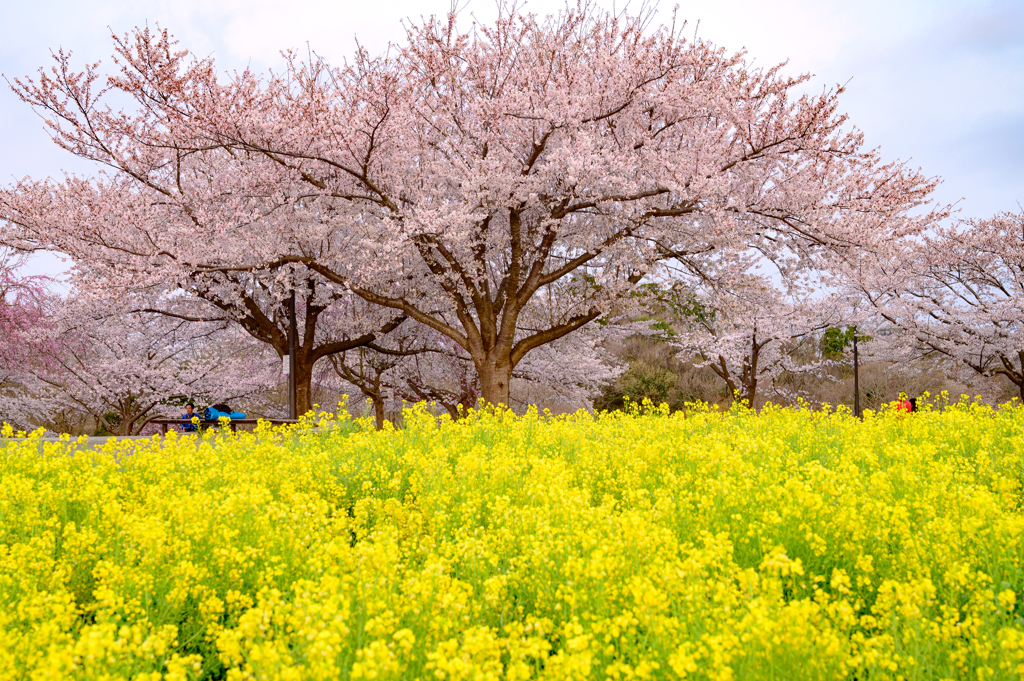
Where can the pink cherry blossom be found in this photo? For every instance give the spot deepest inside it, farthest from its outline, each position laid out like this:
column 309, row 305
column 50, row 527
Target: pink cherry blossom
column 504, row 185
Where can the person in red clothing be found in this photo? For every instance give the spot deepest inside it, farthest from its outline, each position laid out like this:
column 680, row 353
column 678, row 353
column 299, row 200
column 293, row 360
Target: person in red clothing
column 904, row 405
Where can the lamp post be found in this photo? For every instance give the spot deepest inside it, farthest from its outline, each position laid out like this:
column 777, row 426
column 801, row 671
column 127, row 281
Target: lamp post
column 292, row 342
column 856, row 377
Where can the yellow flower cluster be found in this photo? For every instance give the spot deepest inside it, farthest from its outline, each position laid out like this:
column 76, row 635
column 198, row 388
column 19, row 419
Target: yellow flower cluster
column 786, row 545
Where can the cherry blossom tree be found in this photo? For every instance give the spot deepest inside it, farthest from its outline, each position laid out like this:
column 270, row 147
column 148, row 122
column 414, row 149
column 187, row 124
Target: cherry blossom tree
column 125, row 369
column 444, row 377
column 457, row 179
column 416, row 364
column 130, row 239
column 747, row 334
column 499, row 161
column 957, row 294
column 23, row 305
column 24, row 301
column 375, row 369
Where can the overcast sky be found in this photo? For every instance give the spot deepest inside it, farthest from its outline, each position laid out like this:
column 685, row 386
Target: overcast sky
column 936, row 82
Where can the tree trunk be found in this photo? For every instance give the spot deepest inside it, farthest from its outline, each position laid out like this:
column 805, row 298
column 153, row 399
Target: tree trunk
column 748, row 393
column 721, row 368
column 749, row 378
column 495, row 379
column 303, row 384
column 378, row 410
column 748, row 387
column 124, row 428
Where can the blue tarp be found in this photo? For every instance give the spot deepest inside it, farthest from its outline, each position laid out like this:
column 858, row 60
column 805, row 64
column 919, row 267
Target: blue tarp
column 211, row 414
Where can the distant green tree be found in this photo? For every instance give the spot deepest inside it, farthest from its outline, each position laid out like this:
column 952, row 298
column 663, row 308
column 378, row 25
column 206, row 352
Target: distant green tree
column 654, row 370
column 644, row 379
column 835, row 341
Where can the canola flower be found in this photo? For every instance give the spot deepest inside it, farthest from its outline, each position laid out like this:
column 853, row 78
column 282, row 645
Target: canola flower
column 787, row 545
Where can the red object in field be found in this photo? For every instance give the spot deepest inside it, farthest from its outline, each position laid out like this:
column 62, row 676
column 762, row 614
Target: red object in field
column 904, row 406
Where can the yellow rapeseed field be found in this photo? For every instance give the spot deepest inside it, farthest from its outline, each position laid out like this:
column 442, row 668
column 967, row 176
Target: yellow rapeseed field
column 792, row 544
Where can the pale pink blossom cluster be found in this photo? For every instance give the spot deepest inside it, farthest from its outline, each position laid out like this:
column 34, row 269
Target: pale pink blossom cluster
column 954, row 296
column 122, row 368
column 470, row 209
column 747, row 333
column 25, row 333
